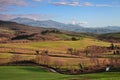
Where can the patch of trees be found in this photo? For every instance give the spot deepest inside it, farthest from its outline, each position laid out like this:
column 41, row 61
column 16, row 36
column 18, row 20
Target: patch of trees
column 75, row 38
column 90, row 51
column 57, row 64
column 95, row 51
column 74, row 51
column 111, row 37
column 50, row 31
column 116, row 52
column 15, row 58
column 114, row 61
column 42, row 57
column 115, row 49
column 23, row 36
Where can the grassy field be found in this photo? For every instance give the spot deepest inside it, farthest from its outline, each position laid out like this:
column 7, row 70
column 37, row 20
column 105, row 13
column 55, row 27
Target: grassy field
column 38, row 73
column 28, row 50
column 56, row 50
column 57, row 46
column 6, row 31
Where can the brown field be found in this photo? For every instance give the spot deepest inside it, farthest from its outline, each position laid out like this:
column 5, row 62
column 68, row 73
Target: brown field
column 57, row 52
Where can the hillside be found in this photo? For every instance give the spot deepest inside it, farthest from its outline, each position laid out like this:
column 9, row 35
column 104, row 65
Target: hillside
column 14, row 31
column 112, row 37
column 68, row 27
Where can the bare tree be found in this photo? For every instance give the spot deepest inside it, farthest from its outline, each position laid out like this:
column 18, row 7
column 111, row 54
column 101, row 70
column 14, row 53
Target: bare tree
column 43, row 58
column 15, row 58
column 70, row 51
column 58, row 64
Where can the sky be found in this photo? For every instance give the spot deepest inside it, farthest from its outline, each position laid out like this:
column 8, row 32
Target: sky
column 88, row 13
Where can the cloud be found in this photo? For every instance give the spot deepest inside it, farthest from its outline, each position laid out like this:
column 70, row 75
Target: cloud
column 74, row 3
column 31, row 16
column 5, row 4
column 83, row 23
column 103, row 5
column 38, row 0
column 75, row 21
column 97, row 5
column 88, row 4
column 77, row 3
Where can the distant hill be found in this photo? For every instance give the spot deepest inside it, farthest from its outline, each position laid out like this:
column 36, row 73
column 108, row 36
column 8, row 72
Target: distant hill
column 47, row 24
column 68, row 27
column 112, row 37
column 10, row 31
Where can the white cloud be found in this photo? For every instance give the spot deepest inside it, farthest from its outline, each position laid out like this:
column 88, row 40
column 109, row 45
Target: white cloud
column 88, row 4
column 83, row 22
column 74, row 3
column 103, row 5
column 38, row 0
column 77, row 3
column 75, row 21
column 4, row 4
column 31, row 16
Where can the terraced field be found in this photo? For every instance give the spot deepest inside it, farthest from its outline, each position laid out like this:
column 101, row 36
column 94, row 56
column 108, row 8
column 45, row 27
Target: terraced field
column 57, row 46
column 57, row 50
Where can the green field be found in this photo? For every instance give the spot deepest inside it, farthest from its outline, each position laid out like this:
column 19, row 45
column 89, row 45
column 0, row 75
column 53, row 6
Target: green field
column 38, row 73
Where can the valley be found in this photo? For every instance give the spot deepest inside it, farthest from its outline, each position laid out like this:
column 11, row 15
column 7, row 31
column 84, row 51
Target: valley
column 69, row 53
column 59, row 39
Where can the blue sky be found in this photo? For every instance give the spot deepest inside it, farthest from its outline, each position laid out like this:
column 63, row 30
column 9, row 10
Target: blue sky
column 90, row 13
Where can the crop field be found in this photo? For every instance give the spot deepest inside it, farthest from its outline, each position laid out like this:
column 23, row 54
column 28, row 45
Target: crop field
column 57, row 50
column 39, row 73
column 57, row 46
column 57, row 58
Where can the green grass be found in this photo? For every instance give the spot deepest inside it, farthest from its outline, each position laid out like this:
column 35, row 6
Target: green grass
column 61, row 36
column 27, row 73
column 38, row 73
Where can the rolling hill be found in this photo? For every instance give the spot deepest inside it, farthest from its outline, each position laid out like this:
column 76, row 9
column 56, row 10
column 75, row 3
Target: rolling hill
column 112, row 37
column 14, row 31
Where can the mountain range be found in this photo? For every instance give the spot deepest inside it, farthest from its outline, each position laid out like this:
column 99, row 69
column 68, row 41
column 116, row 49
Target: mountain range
column 63, row 26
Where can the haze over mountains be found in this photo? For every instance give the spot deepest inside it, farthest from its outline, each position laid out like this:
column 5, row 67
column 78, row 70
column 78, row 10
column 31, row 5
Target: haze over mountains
column 63, row 26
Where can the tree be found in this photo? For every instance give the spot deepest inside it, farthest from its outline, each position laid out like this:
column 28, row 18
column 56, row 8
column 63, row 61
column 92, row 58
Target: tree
column 116, row 52
column 15, row 58
column 74, row 38
column 70, row 51
column 37, row 52
column 81, row 66
column 86, row 51
column 58, row 64
column 112, row 47
column 43, row 58
column 114, row 61
column 95, row 51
